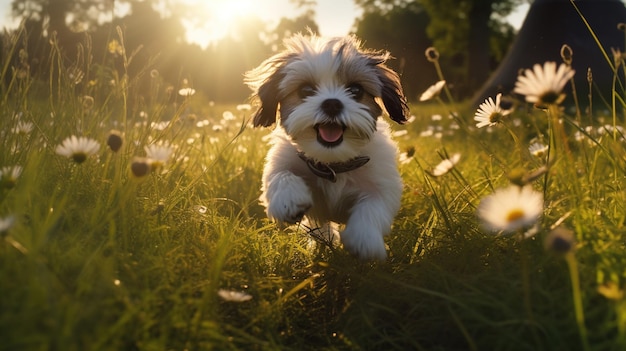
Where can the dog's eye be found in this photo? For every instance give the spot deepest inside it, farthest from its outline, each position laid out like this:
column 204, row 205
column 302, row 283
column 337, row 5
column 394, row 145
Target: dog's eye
column 356, row 90
column 306, row 90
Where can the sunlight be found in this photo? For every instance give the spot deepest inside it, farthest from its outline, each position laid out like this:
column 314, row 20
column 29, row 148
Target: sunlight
column 221, row 18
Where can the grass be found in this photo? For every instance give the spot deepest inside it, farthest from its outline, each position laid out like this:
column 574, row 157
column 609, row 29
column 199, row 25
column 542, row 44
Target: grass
column 99, row 259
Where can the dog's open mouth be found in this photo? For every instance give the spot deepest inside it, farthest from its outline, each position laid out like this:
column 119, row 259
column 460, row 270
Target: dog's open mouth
column 330, row 134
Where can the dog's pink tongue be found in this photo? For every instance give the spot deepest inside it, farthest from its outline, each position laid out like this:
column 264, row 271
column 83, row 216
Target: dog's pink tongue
column 330, row 132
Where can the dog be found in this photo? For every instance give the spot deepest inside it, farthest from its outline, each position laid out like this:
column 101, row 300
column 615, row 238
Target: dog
column 331, row 158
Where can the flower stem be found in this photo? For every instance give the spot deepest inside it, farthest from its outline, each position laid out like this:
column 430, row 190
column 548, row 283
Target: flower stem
column 576, row 295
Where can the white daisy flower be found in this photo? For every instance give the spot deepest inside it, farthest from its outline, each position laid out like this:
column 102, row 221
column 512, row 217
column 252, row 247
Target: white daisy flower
column 22, row 128
column 158, row 154
column 186, row 91
column 407, row 156
column 432, row 91
column 543, row 85
column 234, row 296
column 78, row 148
column 6, row 224
column 490, row 113
column 9, row 175
column 511, row 209
column 446, row 165
column 538, row 150
column 244, row 107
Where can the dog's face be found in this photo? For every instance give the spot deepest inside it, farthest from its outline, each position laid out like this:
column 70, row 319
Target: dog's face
column 328, row 94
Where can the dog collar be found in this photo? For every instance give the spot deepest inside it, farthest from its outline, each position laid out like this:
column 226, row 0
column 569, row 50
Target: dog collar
column 330, row 170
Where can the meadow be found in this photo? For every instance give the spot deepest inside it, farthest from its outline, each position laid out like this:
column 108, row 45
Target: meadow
column 148, row 235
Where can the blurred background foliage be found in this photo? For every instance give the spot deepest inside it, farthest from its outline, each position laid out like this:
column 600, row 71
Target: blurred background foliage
column 471, row 35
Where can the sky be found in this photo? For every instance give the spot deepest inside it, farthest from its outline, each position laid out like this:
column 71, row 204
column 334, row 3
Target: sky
column 334, row 17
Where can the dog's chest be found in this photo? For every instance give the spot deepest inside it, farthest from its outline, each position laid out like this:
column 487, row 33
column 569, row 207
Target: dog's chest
column 333, row 201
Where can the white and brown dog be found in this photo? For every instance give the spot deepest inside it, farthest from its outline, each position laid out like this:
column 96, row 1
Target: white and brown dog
column 332, row 158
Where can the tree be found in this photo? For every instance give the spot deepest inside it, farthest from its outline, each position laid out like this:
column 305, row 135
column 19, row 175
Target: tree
column 473, row 24
column 471, row 35
column 402, row 32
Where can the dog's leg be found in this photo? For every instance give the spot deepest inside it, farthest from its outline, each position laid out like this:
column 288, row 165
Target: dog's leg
column 370, row 220
column 287, row 197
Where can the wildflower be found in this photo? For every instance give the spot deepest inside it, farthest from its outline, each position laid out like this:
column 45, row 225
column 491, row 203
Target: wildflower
column 158, row 154
column 400, row 133
column 78, row 148
column 446, row 165
column 407, row 156
column 115, row 47
column 567, row 54
column 228, row 116
column 6, row 224
column 432, row 91
column 490, row 113
column 543, row 85
column 432, row 54
column 140, row 166
column 538, row 150
column 23, row 128
column 560, row 240
column 511, row 209
column 244, row 107
column 234, row 296
column 115, row 140
column 88, row 102
column 9, row 175
column 186, row 91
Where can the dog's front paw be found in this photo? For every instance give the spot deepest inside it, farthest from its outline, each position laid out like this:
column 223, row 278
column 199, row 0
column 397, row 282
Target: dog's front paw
column 364, row 242
column 288, row 199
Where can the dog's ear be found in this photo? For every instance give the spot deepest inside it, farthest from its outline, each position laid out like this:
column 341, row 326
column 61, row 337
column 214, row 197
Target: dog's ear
column 264, row 82
column 393, row 95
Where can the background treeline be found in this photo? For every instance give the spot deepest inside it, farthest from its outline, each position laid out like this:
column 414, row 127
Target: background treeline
column 471, row 35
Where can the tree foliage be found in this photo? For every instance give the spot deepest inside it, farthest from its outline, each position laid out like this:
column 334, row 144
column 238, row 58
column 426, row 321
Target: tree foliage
column 471, row 35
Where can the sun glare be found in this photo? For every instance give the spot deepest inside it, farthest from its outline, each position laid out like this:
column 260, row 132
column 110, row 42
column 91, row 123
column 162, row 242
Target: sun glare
column 219, row 18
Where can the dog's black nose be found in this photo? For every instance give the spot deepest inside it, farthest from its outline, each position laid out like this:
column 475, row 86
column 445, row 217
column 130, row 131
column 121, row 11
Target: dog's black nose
column 332, row 107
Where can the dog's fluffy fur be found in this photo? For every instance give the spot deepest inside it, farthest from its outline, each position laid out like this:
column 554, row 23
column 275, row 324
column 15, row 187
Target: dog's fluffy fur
column 328, row 93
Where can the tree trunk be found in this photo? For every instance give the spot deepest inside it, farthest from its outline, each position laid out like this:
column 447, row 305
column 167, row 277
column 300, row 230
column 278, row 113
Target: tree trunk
column 478, row 43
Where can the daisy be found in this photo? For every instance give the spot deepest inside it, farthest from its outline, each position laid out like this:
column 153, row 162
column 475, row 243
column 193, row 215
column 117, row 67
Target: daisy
column 560, row 240
column 23, row 128
column 538, row 150
column 186, row 91
column 158, row 154
column 115, row 140
column 446, row 165
column 6, row 224
column 490, row 113
column 244, row 107
column 9, row 175
column 511, row 209
column 140, row 166
column 234, row 296
column 407, row 156
column 78, row 148
column 432, row 91
column 543, row 85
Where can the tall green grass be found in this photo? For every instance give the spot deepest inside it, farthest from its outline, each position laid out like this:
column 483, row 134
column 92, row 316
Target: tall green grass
column 100, row 259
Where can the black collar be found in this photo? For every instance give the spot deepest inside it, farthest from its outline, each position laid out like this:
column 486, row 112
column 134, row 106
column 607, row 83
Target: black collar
column 330, row 170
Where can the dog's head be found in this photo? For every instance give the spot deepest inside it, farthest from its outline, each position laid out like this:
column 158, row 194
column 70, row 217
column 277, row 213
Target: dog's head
column 328, row 93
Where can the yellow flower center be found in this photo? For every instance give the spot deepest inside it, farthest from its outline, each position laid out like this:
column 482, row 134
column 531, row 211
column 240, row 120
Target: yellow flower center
column 79, row 157
column 551, row 97
column 514, row 215
column 495, row 117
